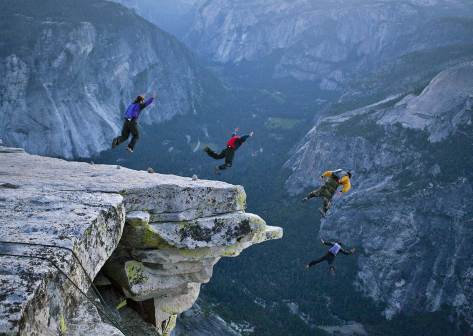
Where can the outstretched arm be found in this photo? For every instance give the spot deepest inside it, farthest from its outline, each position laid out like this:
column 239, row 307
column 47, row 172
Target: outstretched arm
column 326, row 174
column 327, row 243
column 149, row 101
column 347, row 253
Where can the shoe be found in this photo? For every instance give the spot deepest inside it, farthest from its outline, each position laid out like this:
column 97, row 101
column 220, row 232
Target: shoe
column 206, row 149
column 332, row 270
column 217, row 170
column 322, row 213
column 114, row 142
column 305, row 199
column 129, row 149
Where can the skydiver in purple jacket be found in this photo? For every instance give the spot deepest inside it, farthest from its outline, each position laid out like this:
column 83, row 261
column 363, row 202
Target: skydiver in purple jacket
column 331, row 254
column 131, row 122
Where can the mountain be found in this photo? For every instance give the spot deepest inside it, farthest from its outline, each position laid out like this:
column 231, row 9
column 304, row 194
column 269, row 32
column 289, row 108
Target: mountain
column 173, row 16
column 70, row 68
column 332, row 43
column 410, row 206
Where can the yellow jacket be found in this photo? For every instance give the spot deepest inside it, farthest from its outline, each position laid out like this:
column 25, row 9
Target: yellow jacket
column 345, row 181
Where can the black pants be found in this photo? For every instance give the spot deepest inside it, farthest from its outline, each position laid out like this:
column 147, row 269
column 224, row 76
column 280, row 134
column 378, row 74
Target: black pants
column 228, row 153
column 329, row 257
column 129, row 126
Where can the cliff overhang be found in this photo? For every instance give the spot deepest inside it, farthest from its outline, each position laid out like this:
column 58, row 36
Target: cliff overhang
column 156, row 237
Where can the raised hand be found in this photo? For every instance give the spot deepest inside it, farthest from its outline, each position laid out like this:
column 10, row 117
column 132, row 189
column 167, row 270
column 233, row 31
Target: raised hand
column 251, row 134
column 236, row 130
column 154, row 94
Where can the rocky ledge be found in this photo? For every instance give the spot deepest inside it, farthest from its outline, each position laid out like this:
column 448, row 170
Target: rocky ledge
column 156, row 238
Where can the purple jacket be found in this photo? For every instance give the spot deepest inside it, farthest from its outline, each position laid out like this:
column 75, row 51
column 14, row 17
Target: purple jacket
column 134, row 110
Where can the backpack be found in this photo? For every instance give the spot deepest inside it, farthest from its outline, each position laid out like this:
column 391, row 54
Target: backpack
column 338, row 174
column 335, row 249
column 231, row 142
column 129, row 111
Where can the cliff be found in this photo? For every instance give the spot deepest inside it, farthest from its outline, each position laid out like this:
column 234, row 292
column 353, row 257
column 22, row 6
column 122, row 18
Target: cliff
column 329, row 42
column 410, row 206
column 156, row 238
column 68, row 71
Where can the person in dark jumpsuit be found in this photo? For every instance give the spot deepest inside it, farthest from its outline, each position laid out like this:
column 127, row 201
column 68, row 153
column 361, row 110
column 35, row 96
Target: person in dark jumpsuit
column 335, row 248
column 229, row 152
column 130, row 124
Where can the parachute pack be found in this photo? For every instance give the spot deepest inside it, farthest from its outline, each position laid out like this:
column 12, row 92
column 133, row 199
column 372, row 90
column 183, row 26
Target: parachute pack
column 231, row 142
column 338, row 174
column 335, row 249
column 129, row 111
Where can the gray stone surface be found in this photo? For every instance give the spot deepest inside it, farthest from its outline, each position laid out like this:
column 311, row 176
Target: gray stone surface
column 47, row 209
column 174, row 231
column 441, row 109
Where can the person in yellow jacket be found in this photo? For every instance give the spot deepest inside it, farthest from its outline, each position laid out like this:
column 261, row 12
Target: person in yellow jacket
column 335, row 179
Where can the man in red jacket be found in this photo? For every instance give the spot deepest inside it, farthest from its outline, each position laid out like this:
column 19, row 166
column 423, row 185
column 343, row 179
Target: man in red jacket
column 229, row 152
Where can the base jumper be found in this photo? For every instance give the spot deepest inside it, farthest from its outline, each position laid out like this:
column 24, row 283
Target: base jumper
column 331, row 254
column 328, row 189
column 229, row 152
column 131, row 122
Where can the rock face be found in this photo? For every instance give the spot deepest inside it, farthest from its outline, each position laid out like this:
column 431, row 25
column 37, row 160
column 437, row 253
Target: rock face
column 66, row 80
column 173, row 16
column 164, row 256
column 329, row 42
column 195, row 321
column 174, row 231
column 410, row 206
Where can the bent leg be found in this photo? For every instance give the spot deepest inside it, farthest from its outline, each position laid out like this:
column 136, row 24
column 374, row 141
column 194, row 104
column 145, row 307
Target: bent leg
column 313, row 262
column 135, row 132
column 216, row 156
column 315, row 193
column 125, row 133
column 229, row 155
column 327, row 202
column 330, row 258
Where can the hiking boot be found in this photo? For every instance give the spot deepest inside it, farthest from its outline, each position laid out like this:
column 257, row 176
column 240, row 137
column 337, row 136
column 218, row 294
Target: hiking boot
column 217, row 170
column 129, row 149
column 305, row 199
column 114, row 142
column 322, row 213
column 206, row 149
column 332, row 270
